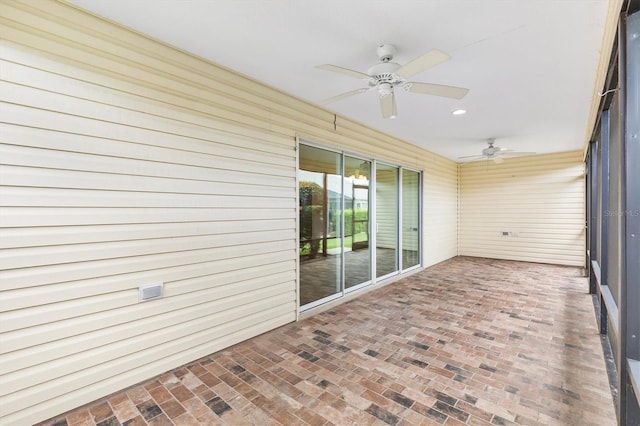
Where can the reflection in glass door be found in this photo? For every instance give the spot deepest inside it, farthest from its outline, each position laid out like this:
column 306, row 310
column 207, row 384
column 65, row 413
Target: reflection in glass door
column 386, row 185
column 320, row 183
column 410, row 218
column 357, row 255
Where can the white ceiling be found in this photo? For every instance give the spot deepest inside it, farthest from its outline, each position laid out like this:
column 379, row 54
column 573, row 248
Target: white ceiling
column 530, row 65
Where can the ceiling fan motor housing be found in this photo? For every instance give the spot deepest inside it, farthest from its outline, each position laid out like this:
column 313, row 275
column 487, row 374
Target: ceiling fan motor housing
column 384, row 73
column 491, row 151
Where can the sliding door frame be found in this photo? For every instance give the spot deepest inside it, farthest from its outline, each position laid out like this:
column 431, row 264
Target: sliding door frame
column 372, row 203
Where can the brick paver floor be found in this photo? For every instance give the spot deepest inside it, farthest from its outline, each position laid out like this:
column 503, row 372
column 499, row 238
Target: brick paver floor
column 469, row 341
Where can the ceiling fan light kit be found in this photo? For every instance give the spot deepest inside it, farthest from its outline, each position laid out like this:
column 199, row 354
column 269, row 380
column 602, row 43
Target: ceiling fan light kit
column 387, row 75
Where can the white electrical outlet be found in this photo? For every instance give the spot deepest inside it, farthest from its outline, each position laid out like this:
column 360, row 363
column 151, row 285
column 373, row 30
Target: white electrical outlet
column 149, row 292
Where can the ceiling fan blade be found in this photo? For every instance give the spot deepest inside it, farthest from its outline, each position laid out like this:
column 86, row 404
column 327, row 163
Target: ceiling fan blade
column 344, row 95
column 436, row 90
column 351, row 73
column 498, row 160
column 388, row 105
column 421, row 63
column 515, row 153
column 472, row 156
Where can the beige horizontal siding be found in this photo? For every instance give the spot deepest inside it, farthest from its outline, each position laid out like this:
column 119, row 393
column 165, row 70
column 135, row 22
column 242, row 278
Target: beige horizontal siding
column 440, row 211
column 538, row 199
column 125, row 162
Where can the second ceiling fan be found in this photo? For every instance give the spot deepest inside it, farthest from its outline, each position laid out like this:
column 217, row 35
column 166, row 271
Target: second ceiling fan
column 387, row 75
column 495, row 153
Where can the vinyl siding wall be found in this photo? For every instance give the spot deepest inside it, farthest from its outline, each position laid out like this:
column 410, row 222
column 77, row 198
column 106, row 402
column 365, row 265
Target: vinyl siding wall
column 125, row 162
column 440, row 211
column 538, row 200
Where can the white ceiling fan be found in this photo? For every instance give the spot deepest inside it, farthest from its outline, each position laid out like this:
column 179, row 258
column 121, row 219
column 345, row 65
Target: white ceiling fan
column 495, row 153
column 387, row 75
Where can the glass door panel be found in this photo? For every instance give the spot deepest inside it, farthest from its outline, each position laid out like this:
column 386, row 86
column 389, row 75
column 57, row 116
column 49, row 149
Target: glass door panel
column 386, row 219
column 410, row 218
column 320, row 183
column 357, row 254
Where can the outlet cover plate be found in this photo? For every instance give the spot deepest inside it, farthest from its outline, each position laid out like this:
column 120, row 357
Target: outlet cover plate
column 149, row 292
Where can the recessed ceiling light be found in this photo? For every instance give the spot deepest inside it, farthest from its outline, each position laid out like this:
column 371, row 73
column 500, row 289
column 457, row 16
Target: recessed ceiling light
column 459, row 112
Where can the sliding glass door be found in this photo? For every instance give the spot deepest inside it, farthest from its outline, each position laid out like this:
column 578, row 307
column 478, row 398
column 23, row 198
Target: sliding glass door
column 410, row 218
column 320, row 185
column 386, row 219
column 340, row 244
column 357, row 252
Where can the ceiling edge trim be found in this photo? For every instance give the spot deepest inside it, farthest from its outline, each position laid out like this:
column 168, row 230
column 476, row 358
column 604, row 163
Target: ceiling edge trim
column 611, row 26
